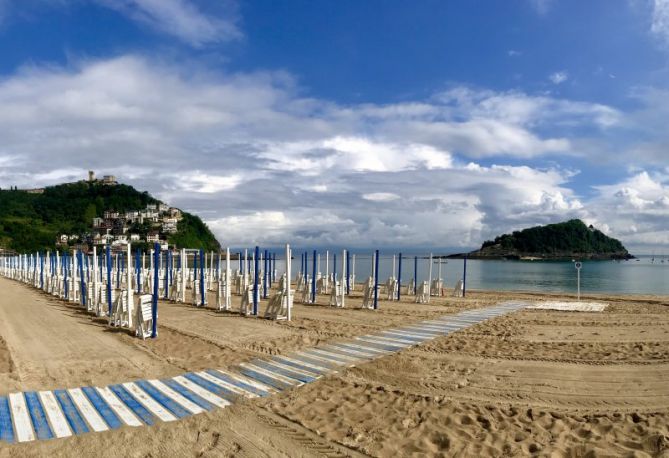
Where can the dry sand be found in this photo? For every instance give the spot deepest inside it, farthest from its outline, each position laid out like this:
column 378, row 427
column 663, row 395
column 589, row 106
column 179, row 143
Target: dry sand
column 535, row 382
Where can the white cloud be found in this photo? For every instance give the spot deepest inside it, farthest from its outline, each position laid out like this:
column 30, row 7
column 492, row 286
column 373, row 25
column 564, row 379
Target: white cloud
column 197, row 181
column 380, row 196
column 660, row 20
column 542, row 7
column 635, row 209
column 179, row 18
column 262, row 164
column 558, row 77
column 182, row 19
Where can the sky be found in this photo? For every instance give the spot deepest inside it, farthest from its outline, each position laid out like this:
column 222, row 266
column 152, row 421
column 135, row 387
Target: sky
column 381, row 123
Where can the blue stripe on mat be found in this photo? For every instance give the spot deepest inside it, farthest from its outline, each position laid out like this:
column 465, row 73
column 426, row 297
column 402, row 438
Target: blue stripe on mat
column 299, row 366
column 163, row 400
column 391, row 335
column 6, row 427
column 188, row 394
column 77, row 423
column 139, row 410
column 317, row 362
column 342, row 351
column 330, row 357
column 101, row 406
column 264, row 379
column 378, row 346
column 284, row 372
column 237, row 383
column 356, row 347
column 38, row 416
column 228, row 395
column 355, row 351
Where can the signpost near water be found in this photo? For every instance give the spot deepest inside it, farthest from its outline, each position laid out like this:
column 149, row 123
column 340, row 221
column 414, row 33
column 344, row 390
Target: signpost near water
column 578, row 266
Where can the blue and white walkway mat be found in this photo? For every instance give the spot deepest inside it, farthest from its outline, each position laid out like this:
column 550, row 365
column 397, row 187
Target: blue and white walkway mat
column 34, row 415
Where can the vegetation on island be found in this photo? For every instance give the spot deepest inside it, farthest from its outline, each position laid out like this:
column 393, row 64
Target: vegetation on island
column 568, row 240
column 32, row 221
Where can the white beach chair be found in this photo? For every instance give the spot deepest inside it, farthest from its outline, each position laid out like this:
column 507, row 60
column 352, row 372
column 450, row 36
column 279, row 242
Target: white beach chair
column 306, row 291
column 437, row 287
column 459, row 289
column 246, row 307
column 391, row 288
column 368, row 294
column 144, row 316
column 277, row 309
column 423, row 294
column 119, row 316
column 336, row 294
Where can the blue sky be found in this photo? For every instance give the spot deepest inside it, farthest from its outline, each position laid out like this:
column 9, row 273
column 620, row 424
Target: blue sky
column 391, row 123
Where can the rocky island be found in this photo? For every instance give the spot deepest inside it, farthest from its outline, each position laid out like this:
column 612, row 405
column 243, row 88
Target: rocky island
column 562, row 241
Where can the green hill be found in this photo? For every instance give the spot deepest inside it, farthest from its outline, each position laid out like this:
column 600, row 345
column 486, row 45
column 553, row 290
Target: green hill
column 32, row 221
column 568, row 240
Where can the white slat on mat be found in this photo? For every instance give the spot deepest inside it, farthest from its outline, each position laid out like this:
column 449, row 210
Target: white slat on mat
column 204, row 394
column 148, row 402
column 56, row 417
column 271, row 374
column 228, row 386
column 328, row 354
column 176, row 397
column 91, row 415
column 305, row 364
column 22, row 424
column 118, row 407
column 367, row 348
column 248, row 381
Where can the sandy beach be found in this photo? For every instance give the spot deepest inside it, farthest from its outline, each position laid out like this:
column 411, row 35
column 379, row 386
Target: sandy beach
column 538, row 382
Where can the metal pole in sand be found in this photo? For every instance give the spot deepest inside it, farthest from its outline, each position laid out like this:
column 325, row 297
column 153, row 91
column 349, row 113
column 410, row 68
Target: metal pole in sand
column 129, row 290
column 289, row 293
column 183, row 262
column 464, row 277
column 138, row 255
column 203, row 289
column 255, row 281
column 154, row 299
column 264, row 275
column 166, row 280
column 348, row 278
column 429, row 283
column 109, row 279
column 228, row 279
column 313, row 280
column 415, row 274
column 399, row 276
column 376, row 279
column 344, row 274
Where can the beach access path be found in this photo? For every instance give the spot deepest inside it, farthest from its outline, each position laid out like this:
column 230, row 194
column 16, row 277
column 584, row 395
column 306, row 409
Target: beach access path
column 49, row 344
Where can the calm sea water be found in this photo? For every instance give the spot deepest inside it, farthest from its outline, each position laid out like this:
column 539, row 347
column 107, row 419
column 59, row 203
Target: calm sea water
column 642, row 276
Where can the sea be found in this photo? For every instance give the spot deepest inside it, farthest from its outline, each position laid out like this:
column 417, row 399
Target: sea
column 646, row 274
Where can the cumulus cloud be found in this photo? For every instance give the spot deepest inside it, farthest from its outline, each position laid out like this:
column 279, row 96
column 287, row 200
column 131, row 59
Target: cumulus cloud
column 179, row 18
column 660, row 20
column 635, row 209
column 185, row 20
column 558, row 77
column 263, row 164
